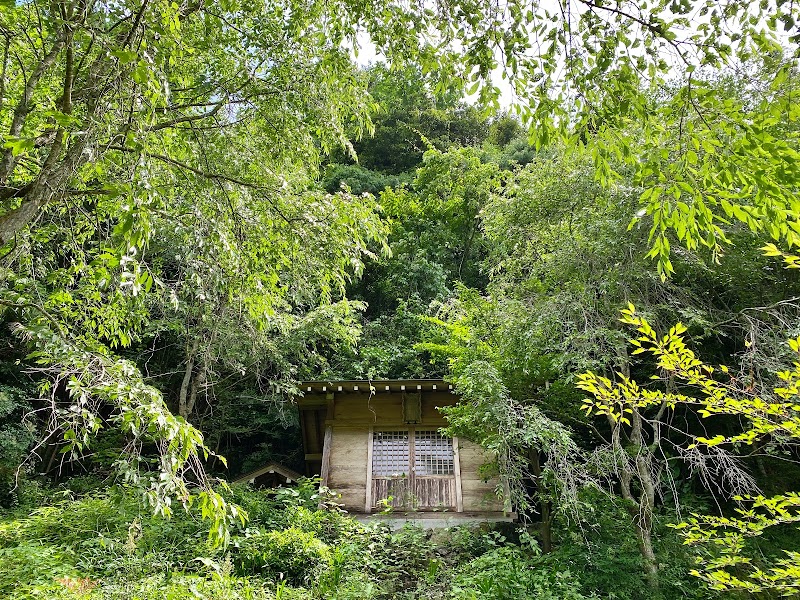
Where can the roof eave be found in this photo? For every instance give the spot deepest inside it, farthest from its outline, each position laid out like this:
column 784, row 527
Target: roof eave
column 374, row 385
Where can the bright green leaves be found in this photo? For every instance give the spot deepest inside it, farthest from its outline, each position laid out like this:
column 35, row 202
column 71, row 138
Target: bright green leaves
column 675, row 359
column 718, row 153
column 792, row 261
column 726, row 565
column 95, row 380
column 63, row 120
column 660, row 250
column 141, row 73
column 124, row 55
column 19, row 145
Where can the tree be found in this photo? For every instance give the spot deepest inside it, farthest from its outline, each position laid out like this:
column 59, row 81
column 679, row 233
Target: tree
column 144, row 176
column 562, row 259
column 535, row 455
column 765, row 412
column 555, row 239
column 436, row 244
column 410, row 118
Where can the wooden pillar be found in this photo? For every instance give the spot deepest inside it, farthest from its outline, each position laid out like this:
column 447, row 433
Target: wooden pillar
column 368, row 503
column 326, row 444
column 326, row 455
column 457, row 470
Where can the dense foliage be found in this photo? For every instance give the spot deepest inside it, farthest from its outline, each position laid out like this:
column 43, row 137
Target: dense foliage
column 204, row 203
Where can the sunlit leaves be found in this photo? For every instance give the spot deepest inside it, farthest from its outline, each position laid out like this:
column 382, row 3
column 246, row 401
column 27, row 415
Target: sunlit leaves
column 673, row 356
column 726, row 566
column 721, row 151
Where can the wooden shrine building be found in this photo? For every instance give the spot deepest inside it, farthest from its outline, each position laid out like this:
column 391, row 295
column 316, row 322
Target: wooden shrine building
column 378, row 445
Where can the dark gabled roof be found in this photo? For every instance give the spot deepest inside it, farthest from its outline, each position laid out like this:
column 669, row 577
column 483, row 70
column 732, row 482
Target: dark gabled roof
column 270, row 467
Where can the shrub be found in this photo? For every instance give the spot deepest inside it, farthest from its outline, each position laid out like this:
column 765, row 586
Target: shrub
column 184, row 587
column 358, row 179
column 27, row 569
column 466, row 542
column 17, row 433
column 507, row 574
column 328, row 525
column 176, row 541
column 602, row 547
column 69, row 522
column 292, row 554
column 270, row 509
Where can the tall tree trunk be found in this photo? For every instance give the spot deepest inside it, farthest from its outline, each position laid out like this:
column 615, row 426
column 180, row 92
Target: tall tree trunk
column 545, row 508
column 547, row 527
column 65, row 157
column 644, row 538
column 198, row 382
column 183, row 396
column 51, row 453
column 634, row 463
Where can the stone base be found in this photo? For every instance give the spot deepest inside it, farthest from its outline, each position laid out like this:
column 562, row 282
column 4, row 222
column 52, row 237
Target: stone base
column 433, row 520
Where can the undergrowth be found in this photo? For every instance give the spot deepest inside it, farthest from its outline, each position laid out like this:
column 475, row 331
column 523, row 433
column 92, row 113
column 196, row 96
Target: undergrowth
column 105, row 544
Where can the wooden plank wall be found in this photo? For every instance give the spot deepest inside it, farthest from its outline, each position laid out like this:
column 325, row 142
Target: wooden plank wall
column 428, row 494
column 397, row 489
column 435, row 492
column 478, row 496
column 348, row 466
column 386, row 409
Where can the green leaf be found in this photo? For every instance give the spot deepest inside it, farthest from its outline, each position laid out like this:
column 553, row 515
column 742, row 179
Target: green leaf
column 19, row 146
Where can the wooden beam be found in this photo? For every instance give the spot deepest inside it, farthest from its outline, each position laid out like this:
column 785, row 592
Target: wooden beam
column 457, row 470
column 316, row 456
column 303, row 434
column 386, row 424
column 331, row 404
column 368, row 503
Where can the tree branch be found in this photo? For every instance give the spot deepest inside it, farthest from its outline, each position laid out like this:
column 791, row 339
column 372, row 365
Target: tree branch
column 136, row 22
column 191, row 169
column 3, row 72
column 653, row 28
column 187, row 118
column 23, row 107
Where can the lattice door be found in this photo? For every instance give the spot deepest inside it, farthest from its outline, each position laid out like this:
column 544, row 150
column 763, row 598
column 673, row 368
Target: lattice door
column 434, row 483
column 429, row 485
column 390, row 468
